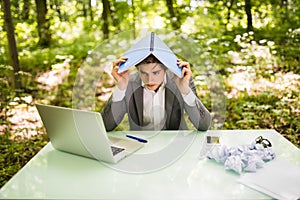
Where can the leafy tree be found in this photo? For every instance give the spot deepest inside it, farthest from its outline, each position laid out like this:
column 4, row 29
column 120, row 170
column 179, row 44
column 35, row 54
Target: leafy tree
column 217, row 28
column 43, row 23
column 248, row 8
column 26, row 10
column 105, row 13
column 55, row 6
column 12, row 43
column 173, row 15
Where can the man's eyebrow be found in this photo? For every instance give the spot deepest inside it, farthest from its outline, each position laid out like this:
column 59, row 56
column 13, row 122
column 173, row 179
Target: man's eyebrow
column 143, row 71
column 157, row 64
column 156, row 71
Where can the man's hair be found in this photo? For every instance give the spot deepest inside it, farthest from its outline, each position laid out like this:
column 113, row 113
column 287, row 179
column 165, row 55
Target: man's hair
column 151, row 59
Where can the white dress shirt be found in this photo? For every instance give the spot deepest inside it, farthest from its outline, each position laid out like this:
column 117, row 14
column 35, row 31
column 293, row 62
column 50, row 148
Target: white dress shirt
column 154, row 115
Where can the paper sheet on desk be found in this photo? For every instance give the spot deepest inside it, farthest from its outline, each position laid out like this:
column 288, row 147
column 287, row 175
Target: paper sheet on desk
column 279, row 178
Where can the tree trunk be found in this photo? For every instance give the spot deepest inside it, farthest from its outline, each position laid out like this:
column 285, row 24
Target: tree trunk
column 114, row 18
column 91, row 10
column 174, row 19
column 26, row 9
column 105, row 29
column 43, row 24
column 13, row 51
column 84, row 11
column 249, row 15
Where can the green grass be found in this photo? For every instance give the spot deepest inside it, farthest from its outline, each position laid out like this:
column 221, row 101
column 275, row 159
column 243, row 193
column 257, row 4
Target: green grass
column 16, row 151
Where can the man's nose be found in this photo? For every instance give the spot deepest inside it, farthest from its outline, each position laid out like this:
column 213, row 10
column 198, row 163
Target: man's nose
column 150, row 78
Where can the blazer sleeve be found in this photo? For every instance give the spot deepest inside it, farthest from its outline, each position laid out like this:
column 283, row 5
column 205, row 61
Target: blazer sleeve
column 113, row 113
column 198, row 114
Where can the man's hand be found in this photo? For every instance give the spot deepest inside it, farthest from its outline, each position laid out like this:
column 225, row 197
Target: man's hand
column 122, row 78
column 183, row 83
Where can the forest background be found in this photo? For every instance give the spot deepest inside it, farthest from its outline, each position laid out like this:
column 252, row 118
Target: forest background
column 251, row 46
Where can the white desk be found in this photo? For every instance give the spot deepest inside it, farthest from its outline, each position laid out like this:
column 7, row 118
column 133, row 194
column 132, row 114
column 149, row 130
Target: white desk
column 54, row 174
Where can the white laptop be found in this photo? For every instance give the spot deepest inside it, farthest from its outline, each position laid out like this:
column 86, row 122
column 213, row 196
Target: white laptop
column 83, row 133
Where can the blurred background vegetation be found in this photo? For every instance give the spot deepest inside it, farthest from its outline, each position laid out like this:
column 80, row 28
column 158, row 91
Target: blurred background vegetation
column 253, row 46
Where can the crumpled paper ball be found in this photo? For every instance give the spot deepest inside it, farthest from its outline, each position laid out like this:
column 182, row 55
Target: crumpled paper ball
column 247, row 158
column 235, row 163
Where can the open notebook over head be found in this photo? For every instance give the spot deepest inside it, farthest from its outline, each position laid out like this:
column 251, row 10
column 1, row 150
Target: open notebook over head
column 151, row 44
column 83, row 133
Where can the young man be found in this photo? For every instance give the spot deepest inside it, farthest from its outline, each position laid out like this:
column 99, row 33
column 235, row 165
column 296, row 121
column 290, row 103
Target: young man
column 154, row 98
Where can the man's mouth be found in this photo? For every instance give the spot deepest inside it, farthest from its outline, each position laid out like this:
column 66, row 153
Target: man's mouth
column 150, row 86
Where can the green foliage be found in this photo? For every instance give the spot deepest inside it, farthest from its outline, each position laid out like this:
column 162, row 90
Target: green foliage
column 221, row 47
column 264, row 111
column 289, row 51
column 16, row 152
column 7, row 94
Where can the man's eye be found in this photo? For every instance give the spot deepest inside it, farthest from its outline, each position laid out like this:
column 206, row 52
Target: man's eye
column 156, row 73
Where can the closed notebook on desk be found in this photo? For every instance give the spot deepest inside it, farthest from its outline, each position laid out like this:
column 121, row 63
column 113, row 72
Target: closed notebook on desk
column 83, row 133
column 279, row 178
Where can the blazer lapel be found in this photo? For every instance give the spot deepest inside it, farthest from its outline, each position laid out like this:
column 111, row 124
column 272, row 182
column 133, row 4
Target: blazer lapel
column 169, row 98
column 138, row 97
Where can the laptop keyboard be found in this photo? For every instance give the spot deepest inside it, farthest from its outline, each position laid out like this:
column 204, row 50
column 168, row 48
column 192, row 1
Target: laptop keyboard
column 116, row 150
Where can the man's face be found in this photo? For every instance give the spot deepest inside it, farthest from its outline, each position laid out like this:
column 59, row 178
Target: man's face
column 152, row 75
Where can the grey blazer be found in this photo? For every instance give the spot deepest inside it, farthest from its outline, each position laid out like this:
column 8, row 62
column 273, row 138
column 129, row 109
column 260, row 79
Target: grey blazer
column 132, row 104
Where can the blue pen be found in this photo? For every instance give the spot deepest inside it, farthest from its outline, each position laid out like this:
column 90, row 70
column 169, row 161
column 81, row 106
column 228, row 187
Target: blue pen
column 136, row 138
